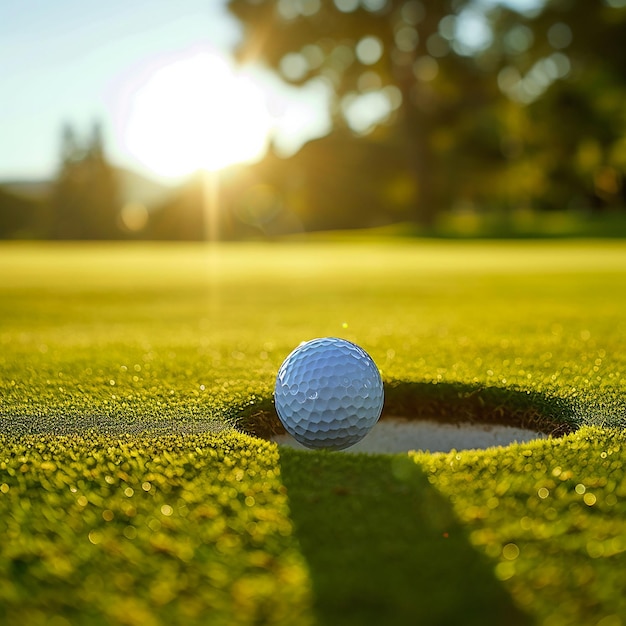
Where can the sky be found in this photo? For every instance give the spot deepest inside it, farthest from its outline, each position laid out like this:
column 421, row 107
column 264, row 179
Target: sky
column 78, row 61
column 133, row 66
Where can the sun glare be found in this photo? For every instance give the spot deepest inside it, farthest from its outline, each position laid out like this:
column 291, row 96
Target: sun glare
column 197, row 113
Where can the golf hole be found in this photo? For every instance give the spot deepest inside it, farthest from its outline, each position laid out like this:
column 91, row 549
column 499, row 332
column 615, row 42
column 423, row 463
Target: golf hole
column 394, row 435
column 442, row 417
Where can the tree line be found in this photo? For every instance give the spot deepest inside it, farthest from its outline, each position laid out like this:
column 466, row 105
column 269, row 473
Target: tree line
column 527, row 115
column 439, row 106
column 83, row 201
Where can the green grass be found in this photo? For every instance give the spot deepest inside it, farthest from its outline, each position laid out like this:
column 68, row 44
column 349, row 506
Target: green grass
column 127, row 498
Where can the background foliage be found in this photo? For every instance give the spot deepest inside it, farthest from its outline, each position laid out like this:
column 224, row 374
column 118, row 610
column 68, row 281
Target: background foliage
column 458, row 110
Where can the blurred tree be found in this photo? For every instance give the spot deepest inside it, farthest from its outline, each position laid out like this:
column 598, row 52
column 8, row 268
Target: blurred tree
column 203, row 209
column 564, row 70
column 396, row 68
column 18, row 215
column 336, row 182
column 182, row 216
column 85, row 202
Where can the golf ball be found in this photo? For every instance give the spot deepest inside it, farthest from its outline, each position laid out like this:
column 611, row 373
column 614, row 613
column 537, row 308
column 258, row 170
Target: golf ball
column 328, row 393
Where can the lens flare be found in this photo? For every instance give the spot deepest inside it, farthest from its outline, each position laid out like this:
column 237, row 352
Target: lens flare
column 197, row 113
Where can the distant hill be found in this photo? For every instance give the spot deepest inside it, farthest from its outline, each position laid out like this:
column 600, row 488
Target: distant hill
column 29, row 189
column 134, row 187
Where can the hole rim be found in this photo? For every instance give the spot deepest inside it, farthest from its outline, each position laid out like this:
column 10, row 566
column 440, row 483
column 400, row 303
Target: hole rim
column 446, row 403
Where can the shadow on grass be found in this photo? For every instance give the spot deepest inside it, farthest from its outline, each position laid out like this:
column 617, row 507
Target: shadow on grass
column 460, row 402
column 383, row 546
column 445, row 402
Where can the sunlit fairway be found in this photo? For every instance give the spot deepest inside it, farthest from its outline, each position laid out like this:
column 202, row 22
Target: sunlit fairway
column 133, row 492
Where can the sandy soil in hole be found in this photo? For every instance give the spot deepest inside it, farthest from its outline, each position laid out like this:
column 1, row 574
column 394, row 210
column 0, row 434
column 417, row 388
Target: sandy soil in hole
column 401, row 435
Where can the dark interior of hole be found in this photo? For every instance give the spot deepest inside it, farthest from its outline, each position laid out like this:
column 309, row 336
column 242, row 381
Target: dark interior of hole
column 447, row 403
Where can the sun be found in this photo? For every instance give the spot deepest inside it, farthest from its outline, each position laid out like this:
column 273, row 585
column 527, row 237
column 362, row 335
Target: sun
column 197, row 113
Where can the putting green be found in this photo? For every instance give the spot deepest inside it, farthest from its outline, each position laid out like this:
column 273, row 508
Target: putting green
column 126, row 496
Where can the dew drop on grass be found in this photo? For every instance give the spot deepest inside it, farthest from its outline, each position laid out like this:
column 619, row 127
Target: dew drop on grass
column 95, row 537
column 130, row 532
column 589, row 499
column 510, row 551
column 505, row 570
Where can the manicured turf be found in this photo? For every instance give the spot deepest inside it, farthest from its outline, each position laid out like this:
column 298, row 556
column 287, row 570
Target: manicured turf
column 125, row 496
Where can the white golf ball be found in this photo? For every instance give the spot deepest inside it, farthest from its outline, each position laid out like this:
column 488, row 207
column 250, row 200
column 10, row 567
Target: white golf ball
column 328, row 393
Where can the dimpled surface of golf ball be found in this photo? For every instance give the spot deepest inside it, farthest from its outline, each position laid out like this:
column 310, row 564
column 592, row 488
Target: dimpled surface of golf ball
column 328, row 393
